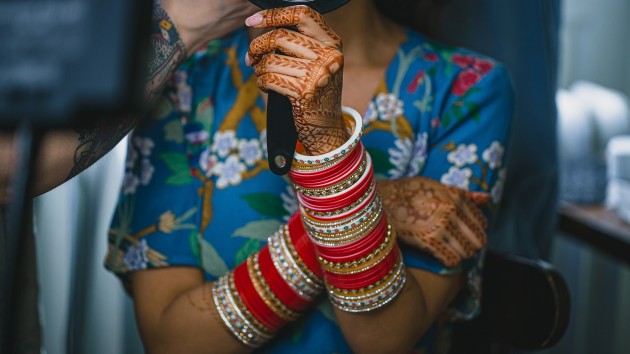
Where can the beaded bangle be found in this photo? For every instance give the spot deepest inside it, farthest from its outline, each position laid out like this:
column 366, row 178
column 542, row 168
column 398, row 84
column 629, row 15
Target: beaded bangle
column 236, row 317
column 339, row 152
column 265, row 292
column 347, row 210
column 289, row 270
column 374, row 298
column 344, row 224
column 364, row 263
column 336, row 188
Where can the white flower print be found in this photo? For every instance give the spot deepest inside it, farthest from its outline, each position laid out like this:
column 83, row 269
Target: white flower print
column 224, row 142
column 462, row 155
column 136, row 256
column 289, row 201
column 146, row 172
column 263, row 142
column 207, row 161
column 229, row 172
column 400, row 157
column 493, row 155
column 389, row 106
column 183, row 91
column 457, row 177
column 198, row 137
column 497, row 190
column 144, row 145
column 371, row 114
column 419, row 154
column 250, row 151
column 130, row 183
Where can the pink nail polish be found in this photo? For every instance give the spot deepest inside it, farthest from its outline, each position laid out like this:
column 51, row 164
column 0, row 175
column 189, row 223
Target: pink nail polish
column 248, row 60
column 254, row 20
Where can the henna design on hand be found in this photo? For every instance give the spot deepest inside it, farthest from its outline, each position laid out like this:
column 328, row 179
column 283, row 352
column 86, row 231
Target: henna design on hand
column 309, row 72
column 443, row 220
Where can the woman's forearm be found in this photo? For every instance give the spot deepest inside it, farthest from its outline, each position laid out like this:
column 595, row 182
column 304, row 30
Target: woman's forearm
column 398, row 326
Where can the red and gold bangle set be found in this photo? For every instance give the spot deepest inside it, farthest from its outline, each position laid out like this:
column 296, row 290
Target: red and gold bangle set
column 272, row 287
column 340, row 240
column 343, row 216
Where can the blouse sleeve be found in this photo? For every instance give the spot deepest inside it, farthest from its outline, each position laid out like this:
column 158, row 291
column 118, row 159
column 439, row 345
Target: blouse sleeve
column 154, row 221
column 464, row 146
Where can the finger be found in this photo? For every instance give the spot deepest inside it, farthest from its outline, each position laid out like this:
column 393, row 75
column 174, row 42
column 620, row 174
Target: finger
column 479, row 198
column 430, row 241
column 308, row 21
column 289, row 42
column 464, row 239
column 285, row 85
column 282, row 64
column 472, row 224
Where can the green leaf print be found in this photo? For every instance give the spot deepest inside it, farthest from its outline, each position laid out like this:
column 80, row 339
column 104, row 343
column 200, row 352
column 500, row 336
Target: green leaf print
column 178, row 164
column 267, row 204
column 173, row 132
column 258, row 230
column 204, row 113
column 380, row 160
column 194, row 245
column 250, row 247
column 211, row 260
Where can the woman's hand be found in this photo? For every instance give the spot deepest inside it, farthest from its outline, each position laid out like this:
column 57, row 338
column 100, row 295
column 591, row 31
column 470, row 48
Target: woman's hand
column 443, row 220
column 200, row 21
column 309, row 71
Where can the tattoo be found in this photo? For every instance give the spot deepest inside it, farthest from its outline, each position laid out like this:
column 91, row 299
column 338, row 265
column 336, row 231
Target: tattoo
column 167, row 52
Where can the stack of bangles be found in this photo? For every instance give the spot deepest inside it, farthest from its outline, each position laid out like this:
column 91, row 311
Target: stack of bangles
column 340, row 239
column 271, row 288
column 343, row 216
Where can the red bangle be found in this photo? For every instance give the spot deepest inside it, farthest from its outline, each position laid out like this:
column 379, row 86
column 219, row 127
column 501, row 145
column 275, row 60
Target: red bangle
column 329, row 176
column 253, row 301
column 278, row 285
column 346, row 214
column 341, row 200
column 303, row 245
column 366, row 278
column 357, row 249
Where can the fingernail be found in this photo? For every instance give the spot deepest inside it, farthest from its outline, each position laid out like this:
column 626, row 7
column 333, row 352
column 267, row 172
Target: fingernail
column 254, row 20
column 248, row 60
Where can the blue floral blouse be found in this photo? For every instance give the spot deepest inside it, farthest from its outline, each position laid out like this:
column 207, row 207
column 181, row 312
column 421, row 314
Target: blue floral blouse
column 198, row 190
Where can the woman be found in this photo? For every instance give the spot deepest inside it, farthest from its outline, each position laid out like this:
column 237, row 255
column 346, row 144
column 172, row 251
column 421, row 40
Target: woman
column 198, row 202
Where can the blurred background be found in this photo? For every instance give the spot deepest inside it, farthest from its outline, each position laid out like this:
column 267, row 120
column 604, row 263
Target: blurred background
column 569, row 62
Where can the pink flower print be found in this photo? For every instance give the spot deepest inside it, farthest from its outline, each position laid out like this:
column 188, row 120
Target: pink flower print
column 435, row 122
column 415, row 83
column 483, row 66
column 465, row 80
column 463, row 60
column 432, row 57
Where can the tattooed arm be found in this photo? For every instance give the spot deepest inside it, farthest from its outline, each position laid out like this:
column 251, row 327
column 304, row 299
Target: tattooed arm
column 64, row 154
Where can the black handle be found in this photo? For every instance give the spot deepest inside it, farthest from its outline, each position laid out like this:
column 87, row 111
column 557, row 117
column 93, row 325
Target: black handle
column 281, row 133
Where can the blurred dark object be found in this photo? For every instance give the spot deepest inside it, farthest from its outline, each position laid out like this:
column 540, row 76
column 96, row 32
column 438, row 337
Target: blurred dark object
column 63, row 60
column 321, row 6
column 525, row 306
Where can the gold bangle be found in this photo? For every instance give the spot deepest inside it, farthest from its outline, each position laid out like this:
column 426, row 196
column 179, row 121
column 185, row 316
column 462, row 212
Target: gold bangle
column 365, row 263
column 338, row 187
column 262, row 288
column 344, row 209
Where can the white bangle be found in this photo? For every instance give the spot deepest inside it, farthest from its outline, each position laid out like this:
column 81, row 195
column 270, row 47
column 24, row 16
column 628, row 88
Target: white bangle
column 339, row 152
